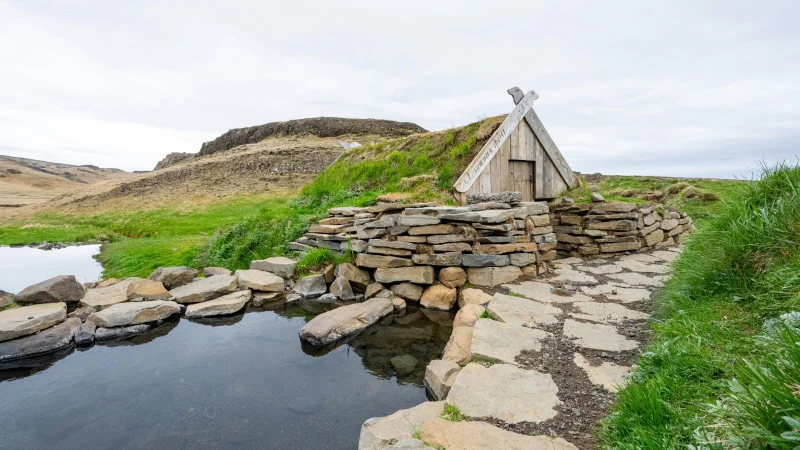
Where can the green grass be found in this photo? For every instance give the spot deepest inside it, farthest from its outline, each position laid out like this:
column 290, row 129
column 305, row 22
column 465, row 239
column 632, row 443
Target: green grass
column 485, row 315
column 697, row 197
column 738, row 271
column 452, row 414
column 232, row 233
column 422, row 166
column 315, row 260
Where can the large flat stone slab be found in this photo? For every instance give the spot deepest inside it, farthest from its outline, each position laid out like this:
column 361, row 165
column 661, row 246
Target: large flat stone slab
column 279, row 265
column 259, row 280
column 205, row 289
column 103, row 297
column 481, row 435
column 545, row 292
column 597, row 336
column 574, row 276
column 227, row 304
column 379, row 261
column 606, row 312
column 63, row 288
column 643, row 257
column 641, row 267
column 333, row 325
column 618, row 293
column 25, row 320
column 417, row 274
column 637, row 279
column 382, row 432
column 46, row 341
column 493, row 276
column 504, row 392
column 666, row 255
column 134, row 313
column 522, row 311
column 602, row 269
column 608, row 375
column 500, row 341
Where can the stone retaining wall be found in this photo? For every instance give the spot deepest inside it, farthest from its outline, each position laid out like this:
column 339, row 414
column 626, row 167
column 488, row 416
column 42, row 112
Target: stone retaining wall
column 594, row 228
column 492, row 242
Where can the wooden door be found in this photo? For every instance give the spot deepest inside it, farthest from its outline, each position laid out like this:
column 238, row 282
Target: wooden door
column 521, row 178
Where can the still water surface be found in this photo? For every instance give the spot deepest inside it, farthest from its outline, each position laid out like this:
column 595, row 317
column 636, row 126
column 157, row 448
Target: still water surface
column 21, row 267
column 239, row 382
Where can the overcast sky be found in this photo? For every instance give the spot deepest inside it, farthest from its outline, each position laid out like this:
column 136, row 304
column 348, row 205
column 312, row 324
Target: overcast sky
column 657, row 88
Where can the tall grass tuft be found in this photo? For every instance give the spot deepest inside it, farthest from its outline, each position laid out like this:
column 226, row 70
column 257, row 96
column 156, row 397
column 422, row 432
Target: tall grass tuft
column 740, row 269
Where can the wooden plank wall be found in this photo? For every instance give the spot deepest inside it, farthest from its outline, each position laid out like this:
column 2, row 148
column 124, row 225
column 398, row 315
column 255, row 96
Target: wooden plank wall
column 522, row 145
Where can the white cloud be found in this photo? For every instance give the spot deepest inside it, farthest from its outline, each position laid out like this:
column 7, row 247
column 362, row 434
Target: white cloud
column 670, row 88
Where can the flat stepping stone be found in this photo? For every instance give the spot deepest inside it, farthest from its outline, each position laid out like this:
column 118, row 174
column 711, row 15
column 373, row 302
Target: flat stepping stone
column 522, row 311
column 46, row 341
column 279, row 265
column 481, row 435
column 637, row 279
column 545, row 292
column 608, row 375
column 381, row 432
column 606, row 312
column 597, row 336
column 666, row 255
column 638, row 266
column 103, row 297
column 259, row 280
column 205, row 289
column 570, row 260
column 25, row 320
column 618, row 293
column 641, row 257
column 333, row 325
column 504, row 392
column 573, row 276
column 603, row 269
column 498, row 341
column 225, row 305
column 134, row 313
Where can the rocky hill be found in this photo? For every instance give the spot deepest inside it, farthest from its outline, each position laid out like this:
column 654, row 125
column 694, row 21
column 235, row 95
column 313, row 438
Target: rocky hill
column 26, row 181
column 269, row 159
column 322, row 127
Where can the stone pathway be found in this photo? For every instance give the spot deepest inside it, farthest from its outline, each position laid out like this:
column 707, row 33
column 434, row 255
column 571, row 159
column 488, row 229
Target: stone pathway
column 548, row 359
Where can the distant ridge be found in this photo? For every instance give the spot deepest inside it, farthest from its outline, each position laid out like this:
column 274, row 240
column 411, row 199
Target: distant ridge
column 318, row 126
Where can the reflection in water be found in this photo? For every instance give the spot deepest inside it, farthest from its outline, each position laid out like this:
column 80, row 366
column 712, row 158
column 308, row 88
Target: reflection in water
column 21, row 267
column 213, row 384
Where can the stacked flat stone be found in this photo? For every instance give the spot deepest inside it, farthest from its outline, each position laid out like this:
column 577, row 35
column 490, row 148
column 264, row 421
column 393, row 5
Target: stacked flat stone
column 399, row 244
column 591, row 229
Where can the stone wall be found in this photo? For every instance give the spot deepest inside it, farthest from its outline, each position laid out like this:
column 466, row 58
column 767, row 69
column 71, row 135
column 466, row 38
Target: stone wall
column 410, row 245
column 595, row 228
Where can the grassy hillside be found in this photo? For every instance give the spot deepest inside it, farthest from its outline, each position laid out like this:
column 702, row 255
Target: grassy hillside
column 723, row 370
column 232, row 230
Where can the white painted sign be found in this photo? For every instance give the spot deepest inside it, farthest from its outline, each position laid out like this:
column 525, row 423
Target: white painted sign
column 467, row 179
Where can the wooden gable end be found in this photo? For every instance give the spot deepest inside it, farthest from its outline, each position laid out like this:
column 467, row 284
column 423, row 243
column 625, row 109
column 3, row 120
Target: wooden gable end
column 525, row 159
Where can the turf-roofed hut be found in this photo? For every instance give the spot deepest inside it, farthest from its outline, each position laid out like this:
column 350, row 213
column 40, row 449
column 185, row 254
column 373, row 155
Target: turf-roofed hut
column 520, row 156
